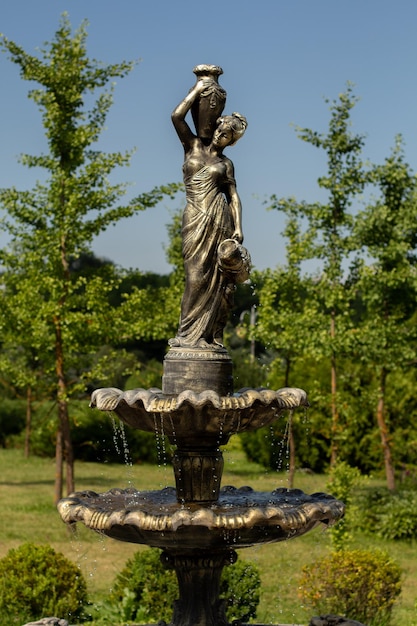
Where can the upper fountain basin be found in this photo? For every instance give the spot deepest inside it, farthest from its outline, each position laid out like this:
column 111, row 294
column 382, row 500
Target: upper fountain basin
column 202, row 417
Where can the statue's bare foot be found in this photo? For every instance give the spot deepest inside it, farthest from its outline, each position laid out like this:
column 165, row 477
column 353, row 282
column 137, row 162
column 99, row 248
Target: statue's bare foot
column 202, row 343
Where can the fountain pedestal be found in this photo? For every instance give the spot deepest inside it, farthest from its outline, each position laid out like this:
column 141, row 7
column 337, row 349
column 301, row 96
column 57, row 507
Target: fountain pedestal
column 199, row 584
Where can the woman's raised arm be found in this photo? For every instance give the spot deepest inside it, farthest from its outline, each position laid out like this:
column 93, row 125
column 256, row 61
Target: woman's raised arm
column 179, row 113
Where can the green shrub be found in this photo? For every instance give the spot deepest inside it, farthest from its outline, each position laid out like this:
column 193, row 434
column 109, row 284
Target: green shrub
column 398, row 518
column 36, row 581
column 388, row 515
column 359, row 584
column 240, row 585
column 109, row 613
column 342, row 480
column 156, row 589
column 370, row 502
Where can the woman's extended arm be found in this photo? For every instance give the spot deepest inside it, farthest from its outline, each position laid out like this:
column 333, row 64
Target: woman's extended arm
column 236, row 210
column 234, row 202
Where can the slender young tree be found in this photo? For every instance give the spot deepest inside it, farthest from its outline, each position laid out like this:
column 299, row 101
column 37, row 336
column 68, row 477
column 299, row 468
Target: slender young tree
column 328, row 237
column 61, row 314
column 288, row 319
column 387, row 232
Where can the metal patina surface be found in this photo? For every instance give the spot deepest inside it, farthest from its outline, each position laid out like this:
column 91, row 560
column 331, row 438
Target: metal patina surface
column 240, row 517
column 198, row 416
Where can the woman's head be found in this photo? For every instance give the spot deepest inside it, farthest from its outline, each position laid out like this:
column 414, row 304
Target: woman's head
column 231, row 127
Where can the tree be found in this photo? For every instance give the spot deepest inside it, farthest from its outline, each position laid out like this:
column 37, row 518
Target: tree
column 161, row 300
column 387, row 233
column 59, row 313
column 328, row 238
column 19, row 370
column 288, row 317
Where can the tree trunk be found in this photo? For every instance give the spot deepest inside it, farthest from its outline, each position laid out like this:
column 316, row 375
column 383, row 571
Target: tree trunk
column 68, row 449
column 333, row 393
column 59, row 462
column 383, row 432
column 63, row 416
column 28, row 429
column 291, row 469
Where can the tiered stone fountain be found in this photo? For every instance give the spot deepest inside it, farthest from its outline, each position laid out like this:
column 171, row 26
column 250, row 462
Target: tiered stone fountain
column 198, row 524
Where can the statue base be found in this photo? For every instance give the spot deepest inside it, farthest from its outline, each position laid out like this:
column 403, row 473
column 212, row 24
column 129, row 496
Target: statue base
column 197, row 369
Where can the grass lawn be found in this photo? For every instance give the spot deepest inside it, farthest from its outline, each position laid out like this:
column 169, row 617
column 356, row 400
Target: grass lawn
column 28, row 514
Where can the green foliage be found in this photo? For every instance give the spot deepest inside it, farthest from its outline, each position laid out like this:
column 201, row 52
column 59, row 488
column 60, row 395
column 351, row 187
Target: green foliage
column 386, row 232
column 398, row 519
column 174, row 251
column 313, row 315
column 247, row 372
column 240, row 586
column 388, row 515
column 147, row 375
column 269, row 446
column 12, row 419
column 107, row 612
column 343, row 480
column 96, row 436
column 156, row 589
column 36, row 581
column 360, row 584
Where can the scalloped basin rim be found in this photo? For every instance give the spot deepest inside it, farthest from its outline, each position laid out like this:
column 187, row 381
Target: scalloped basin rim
column 237, row 509
column 154, row 401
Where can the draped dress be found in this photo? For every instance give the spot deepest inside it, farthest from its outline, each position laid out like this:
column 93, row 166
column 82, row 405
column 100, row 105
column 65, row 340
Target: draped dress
column 207, row 222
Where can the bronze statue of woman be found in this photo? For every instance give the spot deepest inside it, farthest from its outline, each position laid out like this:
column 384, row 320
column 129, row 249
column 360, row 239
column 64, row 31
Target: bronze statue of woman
column 214, row 260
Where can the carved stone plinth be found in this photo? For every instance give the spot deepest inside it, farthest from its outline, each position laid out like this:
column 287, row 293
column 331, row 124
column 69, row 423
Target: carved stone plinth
column 199, row 370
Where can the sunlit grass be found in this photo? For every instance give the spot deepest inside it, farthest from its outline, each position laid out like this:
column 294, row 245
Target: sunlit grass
column 28, row 514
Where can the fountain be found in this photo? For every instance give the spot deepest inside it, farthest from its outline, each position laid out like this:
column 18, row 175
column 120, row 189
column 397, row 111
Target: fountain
column 199, row 525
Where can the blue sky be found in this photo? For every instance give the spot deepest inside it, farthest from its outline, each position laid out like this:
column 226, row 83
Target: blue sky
column 281, row 59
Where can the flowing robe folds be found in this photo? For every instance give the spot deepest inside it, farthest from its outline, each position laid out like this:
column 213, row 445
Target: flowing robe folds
column 207, row 221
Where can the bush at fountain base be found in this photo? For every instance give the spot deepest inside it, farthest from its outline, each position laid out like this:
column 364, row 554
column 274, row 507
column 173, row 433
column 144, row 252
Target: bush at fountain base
column 145, row 591
column 360, row 584
column 36, row 581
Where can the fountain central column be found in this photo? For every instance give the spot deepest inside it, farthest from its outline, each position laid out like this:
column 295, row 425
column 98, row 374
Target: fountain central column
column 199, row 587
column 198, row 473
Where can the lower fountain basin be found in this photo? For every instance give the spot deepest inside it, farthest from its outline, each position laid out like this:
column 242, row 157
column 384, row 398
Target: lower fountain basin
column 240, row 518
